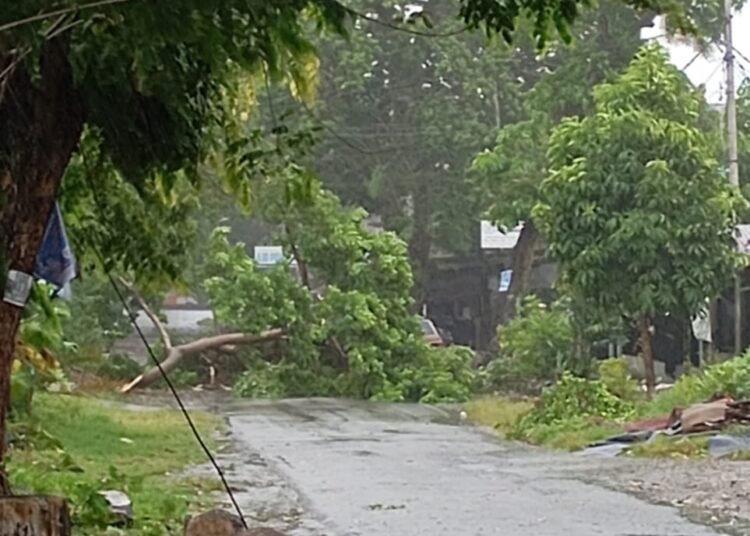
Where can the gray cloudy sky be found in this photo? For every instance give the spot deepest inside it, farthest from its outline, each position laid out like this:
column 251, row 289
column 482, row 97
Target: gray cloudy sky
column 710, row 71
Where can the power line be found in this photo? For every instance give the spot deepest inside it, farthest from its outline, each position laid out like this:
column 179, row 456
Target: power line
column 132, row 317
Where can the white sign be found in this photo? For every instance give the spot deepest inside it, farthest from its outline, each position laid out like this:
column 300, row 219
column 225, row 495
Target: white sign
column 702, row 326
column 268, row 255
column 494, row 238
column 505, row 278
column 742, row 236
column 17, row 288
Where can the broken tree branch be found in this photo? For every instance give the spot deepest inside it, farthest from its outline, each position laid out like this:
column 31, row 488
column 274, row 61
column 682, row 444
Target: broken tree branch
column 163, row 335
column 177, row 353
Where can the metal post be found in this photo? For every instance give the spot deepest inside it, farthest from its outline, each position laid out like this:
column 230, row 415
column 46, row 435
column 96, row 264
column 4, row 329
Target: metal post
column 737, row 314
column 734, row 173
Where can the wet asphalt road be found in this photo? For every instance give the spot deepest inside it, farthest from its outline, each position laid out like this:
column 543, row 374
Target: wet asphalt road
column 339, row 468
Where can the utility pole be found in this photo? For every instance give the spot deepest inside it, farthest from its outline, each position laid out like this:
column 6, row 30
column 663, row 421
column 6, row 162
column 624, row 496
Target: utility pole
column 734, row 172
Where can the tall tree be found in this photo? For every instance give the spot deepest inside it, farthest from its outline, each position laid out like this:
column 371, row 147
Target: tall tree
column 404, row 114
column 154, row 79
column 636, row 208
column 512, row 171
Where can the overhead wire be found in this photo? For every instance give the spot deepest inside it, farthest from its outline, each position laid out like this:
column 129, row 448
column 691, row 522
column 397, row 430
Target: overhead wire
column 133, row 320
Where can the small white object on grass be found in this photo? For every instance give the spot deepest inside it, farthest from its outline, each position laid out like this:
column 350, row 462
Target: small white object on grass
column 463, row 415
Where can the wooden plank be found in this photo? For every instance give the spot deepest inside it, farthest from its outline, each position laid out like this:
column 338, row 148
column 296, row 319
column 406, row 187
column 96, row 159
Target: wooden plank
column 34, row 516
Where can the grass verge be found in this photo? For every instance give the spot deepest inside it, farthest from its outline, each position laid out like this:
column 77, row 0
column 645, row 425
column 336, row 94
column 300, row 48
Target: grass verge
column 497, row 412
column 77, row 446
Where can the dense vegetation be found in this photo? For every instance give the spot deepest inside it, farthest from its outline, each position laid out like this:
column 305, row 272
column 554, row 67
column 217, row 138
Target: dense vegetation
column 154, row 121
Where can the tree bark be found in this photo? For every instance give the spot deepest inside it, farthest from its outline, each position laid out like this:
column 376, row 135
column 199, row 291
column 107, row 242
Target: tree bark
column 420, row 244
column 644, row 327
column 521, row 264
column 40, row 126
column 176, row 353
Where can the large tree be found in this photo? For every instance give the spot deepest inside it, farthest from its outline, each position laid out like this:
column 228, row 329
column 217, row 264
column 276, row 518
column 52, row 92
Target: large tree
column 153, row 80
column 605, row 41
column 404, row 114
column 636, row 207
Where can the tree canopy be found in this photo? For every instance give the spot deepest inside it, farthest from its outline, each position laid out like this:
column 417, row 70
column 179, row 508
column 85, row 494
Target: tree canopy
column 636, row 207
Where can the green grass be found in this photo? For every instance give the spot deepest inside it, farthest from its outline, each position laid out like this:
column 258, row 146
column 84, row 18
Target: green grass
column 681, row 447
column 502, row 414
column 571, row 435
column 100, row 446
column 497, row 412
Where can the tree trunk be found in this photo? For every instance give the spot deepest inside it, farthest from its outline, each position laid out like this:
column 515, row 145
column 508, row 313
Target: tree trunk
column 177, row 353
column 522, row 263
column 420, row 245
column 34, row 516
column 40, row 125
column 644, row 327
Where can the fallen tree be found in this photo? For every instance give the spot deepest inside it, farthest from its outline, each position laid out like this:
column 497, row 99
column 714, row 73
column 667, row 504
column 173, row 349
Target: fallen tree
column 345, row 314
column 173, row 354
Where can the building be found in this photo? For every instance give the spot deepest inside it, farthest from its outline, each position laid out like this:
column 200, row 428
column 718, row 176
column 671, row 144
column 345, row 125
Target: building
column 465, row 293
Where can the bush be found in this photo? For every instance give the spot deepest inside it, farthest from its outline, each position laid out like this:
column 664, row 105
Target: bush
column 118, row 367
column 574, row 399
column 731, row 377
column 614, row 374
column 266, row 380
column 537, row 344
column 447, row 375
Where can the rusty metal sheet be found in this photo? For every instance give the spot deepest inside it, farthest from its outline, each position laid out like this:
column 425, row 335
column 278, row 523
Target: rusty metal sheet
column 34, row 516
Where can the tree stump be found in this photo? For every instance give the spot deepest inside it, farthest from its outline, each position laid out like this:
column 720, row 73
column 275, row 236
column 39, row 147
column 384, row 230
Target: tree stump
column 34, row 516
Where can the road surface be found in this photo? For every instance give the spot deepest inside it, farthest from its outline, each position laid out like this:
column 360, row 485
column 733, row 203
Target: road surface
column 339, row 468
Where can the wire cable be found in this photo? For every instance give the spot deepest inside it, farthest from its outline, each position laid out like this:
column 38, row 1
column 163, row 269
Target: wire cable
column 176, row 396
column 185, row 413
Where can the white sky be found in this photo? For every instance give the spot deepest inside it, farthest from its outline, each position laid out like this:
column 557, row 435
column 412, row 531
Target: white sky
column 710, row 71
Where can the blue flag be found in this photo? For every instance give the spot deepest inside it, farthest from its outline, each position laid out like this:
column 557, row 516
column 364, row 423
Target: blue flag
column 55, row 262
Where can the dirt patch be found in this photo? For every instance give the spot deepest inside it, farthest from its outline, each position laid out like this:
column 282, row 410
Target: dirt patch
column 714, row 492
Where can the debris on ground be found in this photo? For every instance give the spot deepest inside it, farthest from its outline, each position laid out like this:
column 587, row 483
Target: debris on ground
column 120, row 506
column 721, row 446
column 712, row 416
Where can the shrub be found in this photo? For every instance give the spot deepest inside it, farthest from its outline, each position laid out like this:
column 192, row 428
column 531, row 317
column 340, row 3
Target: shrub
column 731, row 377
column 266, row 380
column 614, row 374
column 447, row 375
column 573, row 399
column 537, row 344
column 118, row 367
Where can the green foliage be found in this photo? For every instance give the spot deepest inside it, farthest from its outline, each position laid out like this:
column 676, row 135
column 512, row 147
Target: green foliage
column 555, row 17
column 266, row 380
column 40, row 336
column 636, row 208
column 118, row 367
column 442, row 375
column 614, row 374
column 352, row 333
column 539, row 342
column 575, row 398
column 731, row 377
column 96, row 318
column 76, row 447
